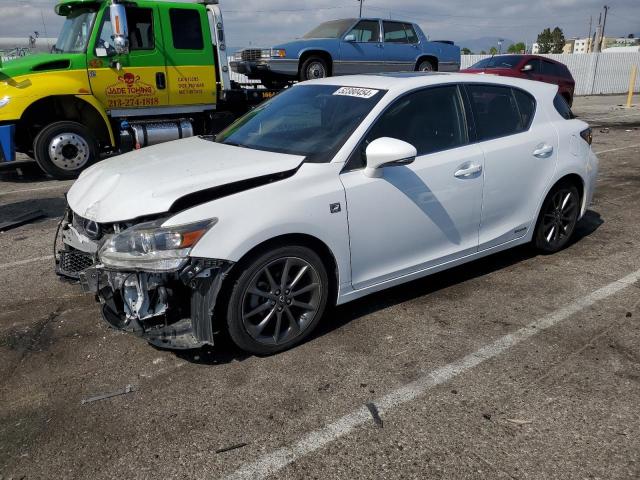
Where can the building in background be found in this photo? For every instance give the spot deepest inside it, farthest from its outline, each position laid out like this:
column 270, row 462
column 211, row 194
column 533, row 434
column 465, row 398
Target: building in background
column 581, row 45
column 568, row 46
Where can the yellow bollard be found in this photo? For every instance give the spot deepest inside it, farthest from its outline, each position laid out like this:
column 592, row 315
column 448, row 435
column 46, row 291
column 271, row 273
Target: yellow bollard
column 632, row 84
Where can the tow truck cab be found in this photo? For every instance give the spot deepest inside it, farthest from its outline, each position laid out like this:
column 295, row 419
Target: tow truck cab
column 122, row 75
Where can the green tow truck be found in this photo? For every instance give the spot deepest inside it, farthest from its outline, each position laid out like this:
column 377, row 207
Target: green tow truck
column 122, row 75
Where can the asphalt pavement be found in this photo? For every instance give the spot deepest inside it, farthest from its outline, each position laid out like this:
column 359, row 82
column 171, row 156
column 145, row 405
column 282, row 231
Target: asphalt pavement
column 516, row 366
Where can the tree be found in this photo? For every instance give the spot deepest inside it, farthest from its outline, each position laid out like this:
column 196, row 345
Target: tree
column 482, row 52
column 466, row 51
column 558, row 41
column 493, row 50
column 517, row 47
column 551, row 41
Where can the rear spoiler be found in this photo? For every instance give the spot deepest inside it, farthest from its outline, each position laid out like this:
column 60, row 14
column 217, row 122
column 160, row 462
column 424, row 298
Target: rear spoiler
column 448, row 42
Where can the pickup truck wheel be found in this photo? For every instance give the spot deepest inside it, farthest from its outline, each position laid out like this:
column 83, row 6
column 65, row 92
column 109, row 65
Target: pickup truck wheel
column 425, row 66
column 277, row 300
column 313, row 68
column 64, row 149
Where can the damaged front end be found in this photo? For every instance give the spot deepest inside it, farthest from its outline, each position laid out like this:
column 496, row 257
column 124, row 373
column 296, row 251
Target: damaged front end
column 144, row 279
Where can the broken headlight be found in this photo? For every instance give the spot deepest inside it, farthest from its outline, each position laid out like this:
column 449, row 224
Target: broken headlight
column 149, row 246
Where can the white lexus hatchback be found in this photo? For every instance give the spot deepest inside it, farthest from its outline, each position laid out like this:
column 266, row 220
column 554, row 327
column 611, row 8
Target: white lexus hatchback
column 332, row 190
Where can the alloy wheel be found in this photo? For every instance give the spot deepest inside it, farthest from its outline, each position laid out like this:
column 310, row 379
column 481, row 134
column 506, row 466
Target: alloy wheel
column 316, row 70
column 281, row 300
column 560, row 217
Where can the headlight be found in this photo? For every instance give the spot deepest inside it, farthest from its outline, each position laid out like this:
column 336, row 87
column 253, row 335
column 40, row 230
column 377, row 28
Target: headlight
column 278, row 53
column 265, row 53
column 149, row 246
column 4, row 101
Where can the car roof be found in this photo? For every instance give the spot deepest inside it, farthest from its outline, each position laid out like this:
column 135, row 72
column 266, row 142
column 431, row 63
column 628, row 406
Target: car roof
column 404, row 81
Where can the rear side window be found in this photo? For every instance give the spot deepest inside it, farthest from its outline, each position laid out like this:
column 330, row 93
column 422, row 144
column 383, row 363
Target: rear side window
column 500, row 111
column 394, row 32
column 186, row 29
column 411, row 33
column 549, row 68
column 562, row 107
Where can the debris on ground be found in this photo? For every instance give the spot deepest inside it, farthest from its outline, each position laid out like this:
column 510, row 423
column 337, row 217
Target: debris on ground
column 21, row 220
column 517, row 421
column 487, row 416
column 375, row 414
column 124, row 391
column 232, row 447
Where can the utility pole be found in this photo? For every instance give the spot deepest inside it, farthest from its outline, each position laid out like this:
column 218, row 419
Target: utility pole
column 361, row 2
column 604, row 23
column 597, row 35
column 589, row 36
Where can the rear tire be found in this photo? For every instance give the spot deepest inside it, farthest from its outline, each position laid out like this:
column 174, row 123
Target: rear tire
column 64, row 149
column 557, row 219
column 277, row 299
column 314, row 68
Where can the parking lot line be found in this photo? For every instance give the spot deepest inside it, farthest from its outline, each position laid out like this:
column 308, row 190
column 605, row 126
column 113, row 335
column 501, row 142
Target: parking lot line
column 6, row 266
column 271, row 463
column 637, row 145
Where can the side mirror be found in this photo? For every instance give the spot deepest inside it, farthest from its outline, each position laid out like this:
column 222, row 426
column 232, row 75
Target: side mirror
column 527, row 68
column 388, row 152
column 120, row 29
column 350, row 38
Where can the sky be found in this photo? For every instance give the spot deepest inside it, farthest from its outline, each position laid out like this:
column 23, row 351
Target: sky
column 267, row 22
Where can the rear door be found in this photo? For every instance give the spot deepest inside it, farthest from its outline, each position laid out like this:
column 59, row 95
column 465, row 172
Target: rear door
column 139, row 84
column 520, row 146
column 364, row 53
column 191, row 78
column 398, row 52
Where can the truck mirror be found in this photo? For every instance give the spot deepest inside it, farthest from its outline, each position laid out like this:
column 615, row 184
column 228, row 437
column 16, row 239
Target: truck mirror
column 120, row 28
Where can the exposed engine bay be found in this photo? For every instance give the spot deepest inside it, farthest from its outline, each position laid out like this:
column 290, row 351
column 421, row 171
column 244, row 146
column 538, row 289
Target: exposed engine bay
column 171, row 309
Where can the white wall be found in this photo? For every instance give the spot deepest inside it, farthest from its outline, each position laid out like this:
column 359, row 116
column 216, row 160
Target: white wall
column 594, row 73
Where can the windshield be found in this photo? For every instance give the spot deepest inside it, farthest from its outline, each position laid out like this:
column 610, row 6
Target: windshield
column 500, row 61
column 76, row 31
column 332, row 29
column 309, row 120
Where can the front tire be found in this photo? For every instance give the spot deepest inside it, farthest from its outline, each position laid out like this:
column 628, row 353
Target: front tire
column 557, row 219
column 277, row 300
column 64, row 149
column 314, row 68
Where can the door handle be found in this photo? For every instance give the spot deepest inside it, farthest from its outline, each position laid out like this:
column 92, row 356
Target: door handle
column 466, row 171
column 161, row 81
column 543, row 151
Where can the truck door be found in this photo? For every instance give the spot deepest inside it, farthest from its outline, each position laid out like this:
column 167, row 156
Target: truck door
column 189, row 55
column 141, row 83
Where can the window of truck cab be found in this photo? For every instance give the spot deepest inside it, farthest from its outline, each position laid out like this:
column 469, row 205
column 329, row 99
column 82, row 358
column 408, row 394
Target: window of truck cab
column 141, row 30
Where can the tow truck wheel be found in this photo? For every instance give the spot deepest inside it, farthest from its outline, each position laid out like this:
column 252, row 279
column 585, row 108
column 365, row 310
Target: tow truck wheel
column 64, row 149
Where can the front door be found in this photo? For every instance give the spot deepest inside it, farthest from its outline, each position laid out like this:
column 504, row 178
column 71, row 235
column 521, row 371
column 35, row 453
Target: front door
column 422, row 214
column 399, row 53
column 360, row 50
column 190, row 59
column 140, row 83
column 520, row 148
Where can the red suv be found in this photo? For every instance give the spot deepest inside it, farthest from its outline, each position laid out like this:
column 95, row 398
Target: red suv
column 531, row 67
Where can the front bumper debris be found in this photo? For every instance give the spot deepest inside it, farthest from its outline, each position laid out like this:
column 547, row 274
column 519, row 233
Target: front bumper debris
column 170, row 310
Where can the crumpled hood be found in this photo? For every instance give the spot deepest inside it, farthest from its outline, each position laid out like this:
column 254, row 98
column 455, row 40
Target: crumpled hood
column 149, row 181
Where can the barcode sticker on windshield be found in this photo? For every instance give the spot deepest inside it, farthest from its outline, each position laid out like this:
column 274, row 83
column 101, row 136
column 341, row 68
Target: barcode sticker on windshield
column 356, row 92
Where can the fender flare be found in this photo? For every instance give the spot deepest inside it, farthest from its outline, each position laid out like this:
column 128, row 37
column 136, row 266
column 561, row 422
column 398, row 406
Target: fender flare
column 91, row 100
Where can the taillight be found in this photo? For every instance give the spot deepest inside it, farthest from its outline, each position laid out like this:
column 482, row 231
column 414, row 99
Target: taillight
column 587, row 135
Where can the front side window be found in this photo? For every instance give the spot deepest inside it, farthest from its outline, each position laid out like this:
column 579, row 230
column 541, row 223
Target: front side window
column 431, row 120
column 76, row 31
column 141, row 36
column 394, row 32
column 500, row 111
column 498, row 61
column 549, row 68
column 309, row 120
column 535, row 66
column 367, row 31
column 186, row 29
